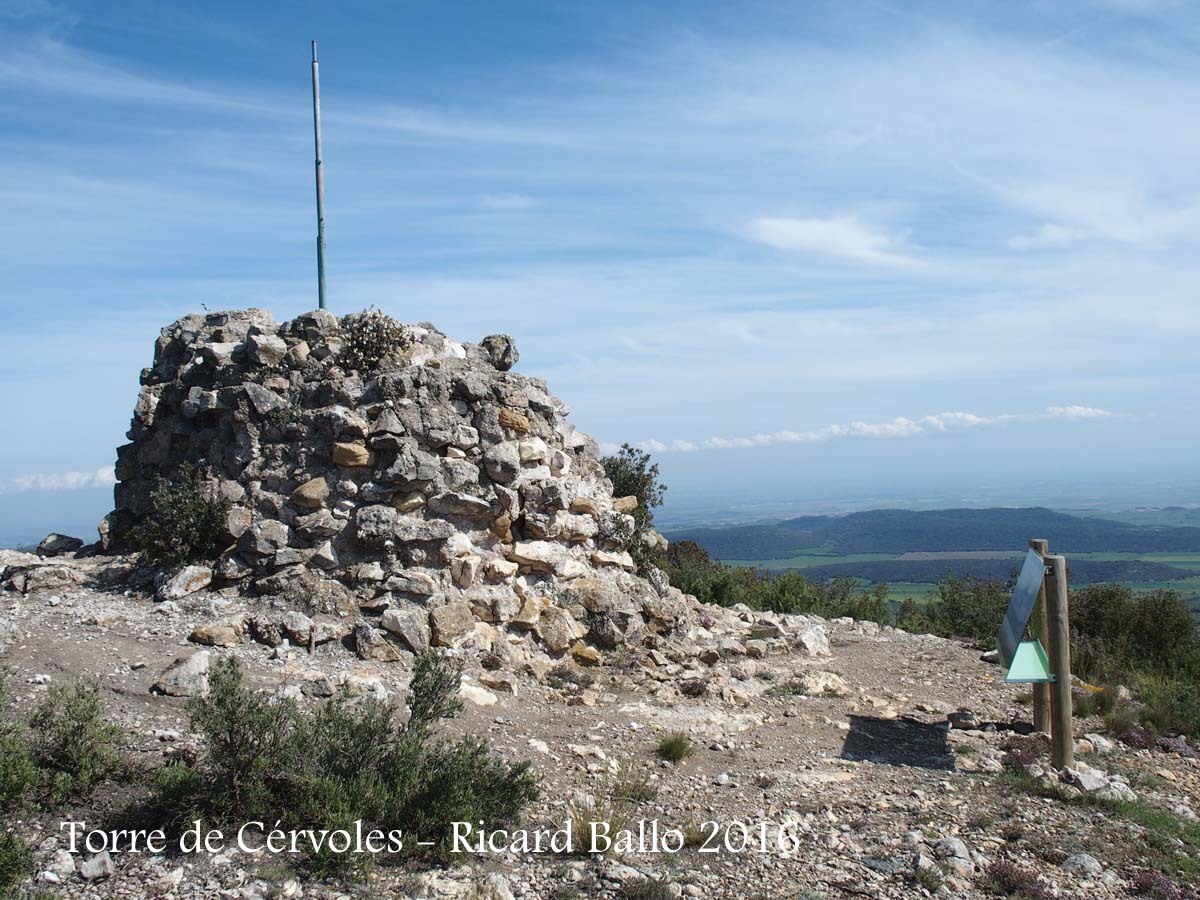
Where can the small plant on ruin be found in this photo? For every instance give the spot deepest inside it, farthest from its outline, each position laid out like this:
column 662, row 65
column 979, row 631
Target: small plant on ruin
column 633, row 475
column 368, row 338
column 676, row 747
column 186, row 522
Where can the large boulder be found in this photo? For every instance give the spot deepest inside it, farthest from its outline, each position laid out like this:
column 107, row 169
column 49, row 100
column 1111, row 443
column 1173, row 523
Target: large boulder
column 451, row 623
column 55, row 544
column 187, row 581
column 186, row 677
column 410, row 624
column 557, row 629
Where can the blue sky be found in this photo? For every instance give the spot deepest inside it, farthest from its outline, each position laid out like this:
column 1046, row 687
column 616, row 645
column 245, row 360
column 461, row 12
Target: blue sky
column 813, row 255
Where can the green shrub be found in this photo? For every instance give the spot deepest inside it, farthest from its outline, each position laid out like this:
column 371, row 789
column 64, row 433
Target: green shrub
column 74, row 746
column 186, row 522
column 968, row 607
column 690, row 569
column 1120, row 720
column 368, row 338
column 911, row 617
column 1083, row 703
column 247, row 738
column 1115, row 633
column 18, row 776
column 633, row 475
column 676, row 747
column 1169, row 706
column 16, row 859
column 929, row 878
column 18, row 771
column 267, row 759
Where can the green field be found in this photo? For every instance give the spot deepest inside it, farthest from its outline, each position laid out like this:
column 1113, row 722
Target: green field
column 918, row 593
column 1181, row 560
column 814, row 557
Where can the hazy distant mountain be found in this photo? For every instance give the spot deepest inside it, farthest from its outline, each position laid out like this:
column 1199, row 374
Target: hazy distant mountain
column 901, row 531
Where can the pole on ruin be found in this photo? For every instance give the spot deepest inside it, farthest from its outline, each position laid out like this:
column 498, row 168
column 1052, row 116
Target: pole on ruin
column 1038, row 625
column 1062, row 741
column 316, row 91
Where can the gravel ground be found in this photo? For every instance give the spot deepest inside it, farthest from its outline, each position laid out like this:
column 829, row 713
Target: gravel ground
column 851, row 790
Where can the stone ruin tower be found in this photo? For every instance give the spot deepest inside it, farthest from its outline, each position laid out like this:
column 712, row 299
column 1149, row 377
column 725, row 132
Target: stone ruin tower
column 388, row 478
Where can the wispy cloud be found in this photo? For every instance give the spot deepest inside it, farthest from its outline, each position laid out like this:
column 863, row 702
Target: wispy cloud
column 62, row 481
column 841, row 236
column 49, row 66
column 900, row 427
column 1047, row 235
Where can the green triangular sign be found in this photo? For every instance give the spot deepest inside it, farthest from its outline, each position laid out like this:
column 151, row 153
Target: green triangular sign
column 1030, row 665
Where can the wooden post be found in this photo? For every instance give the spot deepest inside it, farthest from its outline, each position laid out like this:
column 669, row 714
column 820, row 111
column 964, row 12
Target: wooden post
column 1062, row 740
column 1037, row 624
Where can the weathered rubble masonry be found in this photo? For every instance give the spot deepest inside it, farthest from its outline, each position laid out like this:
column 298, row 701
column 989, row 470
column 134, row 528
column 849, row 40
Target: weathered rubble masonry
column 411, row 498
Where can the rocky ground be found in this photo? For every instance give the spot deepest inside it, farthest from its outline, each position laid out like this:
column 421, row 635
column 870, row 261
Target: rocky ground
column 836, row 735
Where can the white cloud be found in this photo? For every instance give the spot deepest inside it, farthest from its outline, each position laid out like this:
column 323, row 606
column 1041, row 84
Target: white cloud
column 900, row 427
column 1076, row 412
column 62, row 481
column 840, row 236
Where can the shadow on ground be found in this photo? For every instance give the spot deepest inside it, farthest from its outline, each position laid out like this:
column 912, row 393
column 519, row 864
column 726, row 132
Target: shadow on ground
column 898, row 742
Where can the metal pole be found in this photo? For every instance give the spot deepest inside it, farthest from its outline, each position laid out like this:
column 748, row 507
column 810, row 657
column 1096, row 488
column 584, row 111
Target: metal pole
column 1041, row 692
column 1062, row 741
column 316, row 84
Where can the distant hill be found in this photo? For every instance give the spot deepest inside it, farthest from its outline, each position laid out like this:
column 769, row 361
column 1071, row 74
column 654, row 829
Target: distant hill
column 1082, row 571
column 901, row 531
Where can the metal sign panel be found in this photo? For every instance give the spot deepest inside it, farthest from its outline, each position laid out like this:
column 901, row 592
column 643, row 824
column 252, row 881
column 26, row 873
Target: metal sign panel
column 1030, row 665
column 1020, row 607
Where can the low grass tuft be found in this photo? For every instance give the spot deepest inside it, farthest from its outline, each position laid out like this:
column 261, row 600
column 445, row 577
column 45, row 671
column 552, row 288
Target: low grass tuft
column 676, row 747
column 646, row 889
column 1006, row 879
